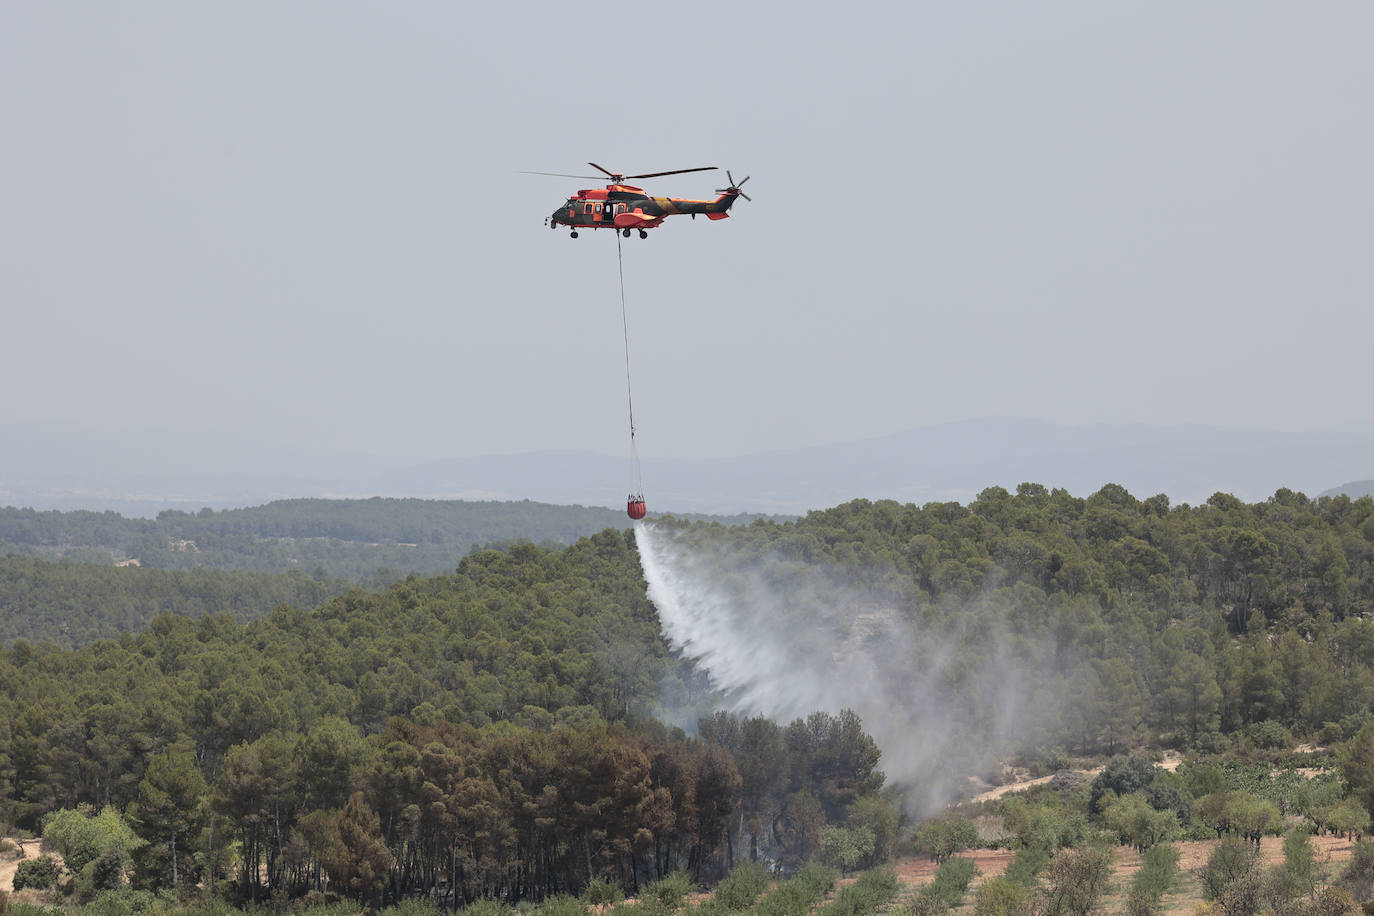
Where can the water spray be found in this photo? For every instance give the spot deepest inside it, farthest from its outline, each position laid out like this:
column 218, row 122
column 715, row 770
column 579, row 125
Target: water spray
column 783, row 638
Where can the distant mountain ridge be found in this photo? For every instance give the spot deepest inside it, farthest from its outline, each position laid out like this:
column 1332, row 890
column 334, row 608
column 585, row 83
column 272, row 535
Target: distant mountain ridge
column 54, row 468
column 951, row 461
column 1355, row 489
column 356, row 540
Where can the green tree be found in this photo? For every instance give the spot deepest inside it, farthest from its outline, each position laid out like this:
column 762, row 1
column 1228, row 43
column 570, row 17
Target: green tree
column 943, row 837
column 1003, row 897
column 168, row 817
column 1193, row 697
column 361, row 859
column 1232, row 871
column 1075, row 881
column 1136, row 823
column 1357, row 765
column 82, row 837
column 879, row 814
column 845, row 847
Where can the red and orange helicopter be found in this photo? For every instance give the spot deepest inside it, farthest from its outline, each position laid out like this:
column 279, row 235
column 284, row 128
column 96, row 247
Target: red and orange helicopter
column 622, row 207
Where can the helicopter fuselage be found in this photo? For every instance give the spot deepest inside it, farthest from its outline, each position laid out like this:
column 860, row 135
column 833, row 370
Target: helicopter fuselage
column 623, row 207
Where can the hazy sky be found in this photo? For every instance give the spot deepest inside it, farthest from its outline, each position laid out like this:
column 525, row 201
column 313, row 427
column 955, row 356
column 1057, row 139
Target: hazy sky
column 304, row 220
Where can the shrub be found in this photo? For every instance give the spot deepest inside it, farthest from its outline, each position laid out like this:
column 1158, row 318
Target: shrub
column 874, row 889
column 1358, row 877
column 797, row 896
column 1299, row 863
column 1122, row 775
column 1027, row 865
column 942, row 838
column 81, row 837
column 1044, row 761
column 845, row 847
column 1269, row 735
column 1003, row 897
column 312, row 904
column 40, row 874
column 125, row 902
column 602, row 892
column 412, row 906
column 951, row 881
column 562, row 905
column 741, row 887
column 486, row 907
column 1141, row 904
column 1159, row 868
column 107, row 871
column 1075, row 881
column 923, row 904
column 670, row 890
column 1330, row 901
column 1234, row 864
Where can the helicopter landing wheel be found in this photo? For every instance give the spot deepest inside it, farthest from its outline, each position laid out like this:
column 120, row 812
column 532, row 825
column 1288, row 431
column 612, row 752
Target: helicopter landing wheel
column 625, row 232
column 642, row 233
column 573, row 234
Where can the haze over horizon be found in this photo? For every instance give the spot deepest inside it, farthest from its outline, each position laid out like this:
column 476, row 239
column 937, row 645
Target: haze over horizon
column 145, row 473
column 303, row 225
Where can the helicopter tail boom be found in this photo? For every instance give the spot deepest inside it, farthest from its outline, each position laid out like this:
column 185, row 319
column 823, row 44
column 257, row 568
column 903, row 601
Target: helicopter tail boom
column 715, row 209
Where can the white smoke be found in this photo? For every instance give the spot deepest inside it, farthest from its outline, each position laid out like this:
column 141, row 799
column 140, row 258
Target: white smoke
column 783, row 639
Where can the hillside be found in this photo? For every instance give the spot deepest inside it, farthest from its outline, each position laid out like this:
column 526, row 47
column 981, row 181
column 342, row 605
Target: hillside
column 68, row 604
column 360, row 540
column 486, row 715
column 1355, row 489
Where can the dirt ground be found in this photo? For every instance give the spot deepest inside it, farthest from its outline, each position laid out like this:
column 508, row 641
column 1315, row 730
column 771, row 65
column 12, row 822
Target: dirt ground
column 8, row 866
column 1170, row 762
column 1331, row 855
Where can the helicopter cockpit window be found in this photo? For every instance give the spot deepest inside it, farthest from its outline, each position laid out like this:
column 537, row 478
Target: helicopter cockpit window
column 620, row 208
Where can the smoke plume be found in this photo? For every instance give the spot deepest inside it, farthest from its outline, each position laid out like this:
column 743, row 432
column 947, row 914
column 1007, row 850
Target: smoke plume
column 940, row 690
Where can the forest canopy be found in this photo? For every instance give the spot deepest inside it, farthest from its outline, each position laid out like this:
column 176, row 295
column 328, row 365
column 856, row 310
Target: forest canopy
column 375, row 734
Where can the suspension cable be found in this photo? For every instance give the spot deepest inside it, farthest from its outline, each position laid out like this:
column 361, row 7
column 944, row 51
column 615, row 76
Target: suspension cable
column 625, row 325
column 636, row 477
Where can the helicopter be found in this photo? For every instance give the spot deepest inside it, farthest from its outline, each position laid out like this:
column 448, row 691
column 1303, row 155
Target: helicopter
column 622, row 207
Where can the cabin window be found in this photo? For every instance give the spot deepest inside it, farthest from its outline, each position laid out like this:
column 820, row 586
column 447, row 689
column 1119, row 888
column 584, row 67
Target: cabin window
column 587, row 208
column 620, row 208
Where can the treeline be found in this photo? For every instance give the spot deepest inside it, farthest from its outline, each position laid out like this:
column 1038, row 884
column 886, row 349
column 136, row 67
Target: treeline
column 70, row 604
column 488, row 732
column 454, row 814
column 362, row 540
column 1192, row 625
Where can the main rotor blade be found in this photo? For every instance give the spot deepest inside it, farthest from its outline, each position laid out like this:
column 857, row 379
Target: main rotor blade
column 600, row 169
column 704, row 168
column 563, row 175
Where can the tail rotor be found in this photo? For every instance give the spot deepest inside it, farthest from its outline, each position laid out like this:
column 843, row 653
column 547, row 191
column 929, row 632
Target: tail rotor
column 735, row 188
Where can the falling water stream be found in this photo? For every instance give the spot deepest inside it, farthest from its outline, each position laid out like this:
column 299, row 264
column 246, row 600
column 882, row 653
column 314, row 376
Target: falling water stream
column 783, row 638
